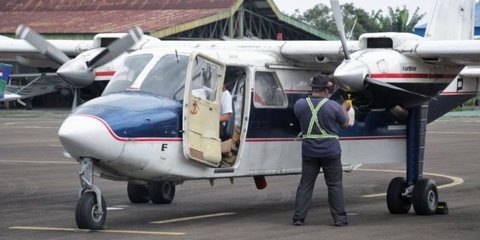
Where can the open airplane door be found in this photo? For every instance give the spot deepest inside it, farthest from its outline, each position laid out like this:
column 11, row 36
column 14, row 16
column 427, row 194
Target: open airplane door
column 201, row 111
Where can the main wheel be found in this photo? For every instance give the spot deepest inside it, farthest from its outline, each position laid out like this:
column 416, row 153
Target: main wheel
column 425, row 197
column 137, row 193
column 397, row 204
column 87, row 213
column 161, row 192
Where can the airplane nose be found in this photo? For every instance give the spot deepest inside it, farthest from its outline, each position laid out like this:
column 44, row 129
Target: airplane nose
column 89, row 136
column 351, row 74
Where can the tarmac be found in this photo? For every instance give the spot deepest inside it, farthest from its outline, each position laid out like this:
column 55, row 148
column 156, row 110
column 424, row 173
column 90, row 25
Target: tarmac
column 39, row 190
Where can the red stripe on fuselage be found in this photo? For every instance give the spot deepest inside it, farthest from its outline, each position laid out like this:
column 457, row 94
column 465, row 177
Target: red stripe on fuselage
column 104, row 73
column 341, row 139
column 412, row 75
column 460, row 93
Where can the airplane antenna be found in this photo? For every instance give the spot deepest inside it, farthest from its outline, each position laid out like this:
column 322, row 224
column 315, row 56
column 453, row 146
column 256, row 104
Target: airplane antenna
column 353, row 28
column 176, row 56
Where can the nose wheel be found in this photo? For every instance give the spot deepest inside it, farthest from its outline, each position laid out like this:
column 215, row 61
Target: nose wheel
column 89, row 214
column 91, row 210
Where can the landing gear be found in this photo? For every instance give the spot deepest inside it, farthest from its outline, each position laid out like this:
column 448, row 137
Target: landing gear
column 91, row 210
column 425, row 197
column 161, row 192
column 138, row 193
column 89, row 214
column 417, row 191
column 397, row 202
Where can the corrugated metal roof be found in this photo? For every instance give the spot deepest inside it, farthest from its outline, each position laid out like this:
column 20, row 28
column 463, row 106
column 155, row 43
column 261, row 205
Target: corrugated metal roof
column 159, row 18
column 85, row 16
column 99, row 5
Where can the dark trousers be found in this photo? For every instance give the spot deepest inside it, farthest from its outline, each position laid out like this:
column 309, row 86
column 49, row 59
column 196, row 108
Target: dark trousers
column 332, row 169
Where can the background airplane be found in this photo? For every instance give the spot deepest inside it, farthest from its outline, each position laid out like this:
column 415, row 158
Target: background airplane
column 21, row 86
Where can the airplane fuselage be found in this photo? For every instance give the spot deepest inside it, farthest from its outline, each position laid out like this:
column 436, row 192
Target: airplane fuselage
column 136, row 134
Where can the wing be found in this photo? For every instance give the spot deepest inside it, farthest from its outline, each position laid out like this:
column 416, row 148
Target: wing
column 17, row 50
column 458, row 52
column 326, row 55
column 470, row 71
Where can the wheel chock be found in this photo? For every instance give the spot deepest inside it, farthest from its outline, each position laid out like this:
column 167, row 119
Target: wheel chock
column 442, row 208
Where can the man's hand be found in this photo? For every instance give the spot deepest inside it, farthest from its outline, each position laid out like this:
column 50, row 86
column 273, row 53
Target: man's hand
column 346, row 106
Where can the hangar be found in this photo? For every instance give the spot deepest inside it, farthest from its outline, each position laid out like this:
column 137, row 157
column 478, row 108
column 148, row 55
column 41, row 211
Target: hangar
column 166, row 20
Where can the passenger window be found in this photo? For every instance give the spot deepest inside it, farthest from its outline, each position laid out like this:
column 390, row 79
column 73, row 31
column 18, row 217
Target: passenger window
column 268, row 91
column 205, row 79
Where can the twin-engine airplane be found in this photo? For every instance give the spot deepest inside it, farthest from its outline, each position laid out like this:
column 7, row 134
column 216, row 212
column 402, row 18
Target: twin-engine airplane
column 153, row 128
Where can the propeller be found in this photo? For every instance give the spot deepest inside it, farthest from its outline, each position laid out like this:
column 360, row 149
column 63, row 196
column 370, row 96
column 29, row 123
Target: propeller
column 78, row 72
column 41, row 44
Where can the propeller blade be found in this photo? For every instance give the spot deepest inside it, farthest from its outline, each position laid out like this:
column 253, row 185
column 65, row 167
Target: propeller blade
column 337, row 16
column 116, row 48
column 41, row 44
column 75, row 98
column 388, row 85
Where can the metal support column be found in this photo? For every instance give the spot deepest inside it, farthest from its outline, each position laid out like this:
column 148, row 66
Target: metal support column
column 241, row 23
column 231, row 22
column 416, row 132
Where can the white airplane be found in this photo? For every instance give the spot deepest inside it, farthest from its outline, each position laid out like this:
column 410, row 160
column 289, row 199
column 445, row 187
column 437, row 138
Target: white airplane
column 33, row 51
column 151, row 128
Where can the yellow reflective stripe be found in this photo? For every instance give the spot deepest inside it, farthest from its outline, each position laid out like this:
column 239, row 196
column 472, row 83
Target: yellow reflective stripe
column 320, row 136
column 314, row 120
column 312, row 110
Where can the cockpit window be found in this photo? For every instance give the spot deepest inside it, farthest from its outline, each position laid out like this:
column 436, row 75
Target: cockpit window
column 125, row 77
column 167, row 78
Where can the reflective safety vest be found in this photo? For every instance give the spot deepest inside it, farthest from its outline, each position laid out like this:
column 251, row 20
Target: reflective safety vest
column 314, row 120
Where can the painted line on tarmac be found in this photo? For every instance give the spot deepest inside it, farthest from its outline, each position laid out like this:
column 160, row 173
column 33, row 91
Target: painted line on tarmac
column 455, row 180
column 37, row 162
column 75, row 230
column 466, row 133
column 194, row 218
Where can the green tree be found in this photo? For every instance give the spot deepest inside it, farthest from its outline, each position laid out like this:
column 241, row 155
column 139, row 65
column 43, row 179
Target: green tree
column 358, row 20
column 399, row 20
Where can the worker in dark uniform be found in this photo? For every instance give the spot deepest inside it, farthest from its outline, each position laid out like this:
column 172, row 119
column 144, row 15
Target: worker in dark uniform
column 319, row 119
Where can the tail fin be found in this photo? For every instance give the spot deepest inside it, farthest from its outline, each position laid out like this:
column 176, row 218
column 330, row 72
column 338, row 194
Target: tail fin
column 5, row 70
column 452, row 20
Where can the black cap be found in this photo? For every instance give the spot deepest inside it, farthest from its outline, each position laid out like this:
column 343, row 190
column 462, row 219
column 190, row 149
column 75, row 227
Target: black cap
column 320, row 82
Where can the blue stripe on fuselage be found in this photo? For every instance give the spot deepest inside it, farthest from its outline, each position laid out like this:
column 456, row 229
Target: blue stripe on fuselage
column 135, row 114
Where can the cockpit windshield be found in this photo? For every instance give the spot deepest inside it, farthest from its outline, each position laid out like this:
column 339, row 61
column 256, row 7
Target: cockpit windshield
column 125, row 77
column 167, row 78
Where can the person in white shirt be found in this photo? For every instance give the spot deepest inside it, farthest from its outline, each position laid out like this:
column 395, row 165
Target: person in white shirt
column 225, row 113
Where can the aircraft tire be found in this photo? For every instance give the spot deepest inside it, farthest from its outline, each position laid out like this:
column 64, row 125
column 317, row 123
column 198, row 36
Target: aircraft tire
column 137, row 193
column 86, row 212
column 425, row 197
column 161, row 192
column 396, row 203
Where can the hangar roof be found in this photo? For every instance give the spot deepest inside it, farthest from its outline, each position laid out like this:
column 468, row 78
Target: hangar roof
column 159, row 18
